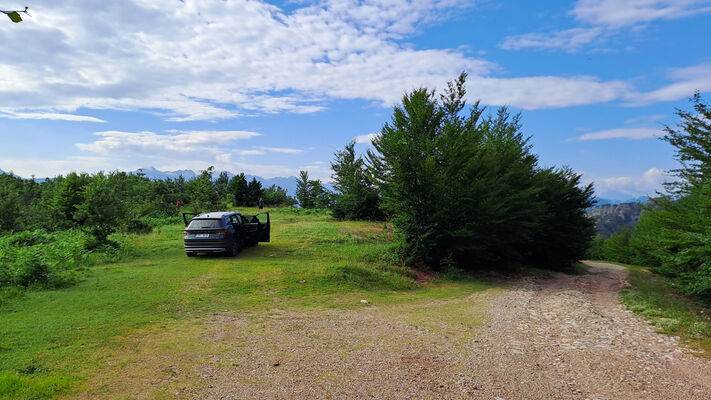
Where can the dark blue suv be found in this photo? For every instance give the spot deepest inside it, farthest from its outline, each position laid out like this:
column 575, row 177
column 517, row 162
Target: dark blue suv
column 223, row 232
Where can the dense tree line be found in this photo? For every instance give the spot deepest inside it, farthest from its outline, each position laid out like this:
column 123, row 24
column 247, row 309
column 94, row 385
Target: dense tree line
column 102, row 203
column 673, row 236
column 463, row 188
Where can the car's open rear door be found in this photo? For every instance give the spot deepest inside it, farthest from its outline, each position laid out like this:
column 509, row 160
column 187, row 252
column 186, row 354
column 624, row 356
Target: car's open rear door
column 186, row 219
column 264, row 227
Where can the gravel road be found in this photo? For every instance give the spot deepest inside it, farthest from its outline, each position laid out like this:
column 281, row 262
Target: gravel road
column 560, row 337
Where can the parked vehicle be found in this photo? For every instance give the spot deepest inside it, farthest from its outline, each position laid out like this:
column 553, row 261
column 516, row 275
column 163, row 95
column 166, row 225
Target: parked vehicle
column 223, row 232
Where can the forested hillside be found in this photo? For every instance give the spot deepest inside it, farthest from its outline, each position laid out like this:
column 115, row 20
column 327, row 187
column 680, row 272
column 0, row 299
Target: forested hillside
column 612, row 218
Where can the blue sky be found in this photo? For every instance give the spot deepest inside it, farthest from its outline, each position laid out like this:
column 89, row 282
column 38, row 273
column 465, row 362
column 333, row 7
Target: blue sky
column 270, row 88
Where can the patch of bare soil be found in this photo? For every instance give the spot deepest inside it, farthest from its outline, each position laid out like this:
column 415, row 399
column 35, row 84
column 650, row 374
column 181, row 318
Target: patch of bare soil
column 550, row 338
column 559, row 337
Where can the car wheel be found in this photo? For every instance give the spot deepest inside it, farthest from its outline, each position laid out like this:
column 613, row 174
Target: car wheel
column 190, row 254
column 233, row 249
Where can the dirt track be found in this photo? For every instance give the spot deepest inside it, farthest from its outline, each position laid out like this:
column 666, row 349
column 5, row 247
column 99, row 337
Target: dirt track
column 565, row 337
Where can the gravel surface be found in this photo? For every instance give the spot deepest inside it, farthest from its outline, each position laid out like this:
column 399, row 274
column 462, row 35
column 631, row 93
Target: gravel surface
column 561, row 337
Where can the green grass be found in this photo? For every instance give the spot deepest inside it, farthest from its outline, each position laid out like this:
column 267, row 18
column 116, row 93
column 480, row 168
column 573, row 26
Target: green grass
column 53, row 342
column 654, row 298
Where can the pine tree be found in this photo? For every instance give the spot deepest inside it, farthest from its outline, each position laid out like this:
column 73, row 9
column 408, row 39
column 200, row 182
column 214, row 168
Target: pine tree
column 303, row 190
column 357, row 196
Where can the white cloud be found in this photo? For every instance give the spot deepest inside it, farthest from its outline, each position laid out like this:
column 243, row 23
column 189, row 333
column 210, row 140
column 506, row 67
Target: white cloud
column 214, row 59
column 114, row 142
column 252, row 152
column 647, row 183
column 688, row 80
column 282, row 150
column 646, row 118
column 196, row 150
column 570, row 39
column 604, row 18
column 46, row 115
column 538, row 92
column 366, row 139
column 42, row 168
column 622, row 133
column 631, row 12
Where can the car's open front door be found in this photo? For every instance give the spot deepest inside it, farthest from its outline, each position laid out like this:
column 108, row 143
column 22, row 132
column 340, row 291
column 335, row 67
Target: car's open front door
column 264, row 227
column 186, row 219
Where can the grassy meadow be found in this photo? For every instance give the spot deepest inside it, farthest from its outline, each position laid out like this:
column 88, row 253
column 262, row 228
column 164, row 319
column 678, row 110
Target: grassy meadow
column 656, row 299
column 154, row 303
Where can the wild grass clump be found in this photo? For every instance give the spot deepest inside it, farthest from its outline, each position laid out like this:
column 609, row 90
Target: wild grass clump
column 370, row 278
column 653, row 297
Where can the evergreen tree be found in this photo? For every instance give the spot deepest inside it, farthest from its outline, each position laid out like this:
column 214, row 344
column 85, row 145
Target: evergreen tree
column 311, row 194
column 303, row 190
column 254, row 192
column 357, row 196
column 237, row 190
column 221, row 186
column 692, row 140
column 67, row 197
column 465, row 189
column 673, row 236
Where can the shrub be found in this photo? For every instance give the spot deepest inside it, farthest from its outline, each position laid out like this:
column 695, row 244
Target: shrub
column 41, row 258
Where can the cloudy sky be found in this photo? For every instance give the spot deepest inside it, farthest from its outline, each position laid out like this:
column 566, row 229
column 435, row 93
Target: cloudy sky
column 271, row 87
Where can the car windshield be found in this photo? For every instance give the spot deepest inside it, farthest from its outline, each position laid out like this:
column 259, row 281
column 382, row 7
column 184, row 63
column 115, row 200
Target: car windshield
column 205, row 224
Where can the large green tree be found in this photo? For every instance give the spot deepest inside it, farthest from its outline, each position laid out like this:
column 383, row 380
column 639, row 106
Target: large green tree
column 237, row 190
column 357, row 196
column 674, row 236
column 465, row 189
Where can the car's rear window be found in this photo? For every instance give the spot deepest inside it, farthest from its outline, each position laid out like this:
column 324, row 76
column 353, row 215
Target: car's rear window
column 205, row 224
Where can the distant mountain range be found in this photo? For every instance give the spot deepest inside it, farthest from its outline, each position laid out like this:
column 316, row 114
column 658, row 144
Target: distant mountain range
column 599, row 201
column 288, row 183
column 611, row 218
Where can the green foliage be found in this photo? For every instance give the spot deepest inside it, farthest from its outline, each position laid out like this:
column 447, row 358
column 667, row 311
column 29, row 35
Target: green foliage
column 202, row 192
column 311, row 193
column 692, row 140
column 467, row 190
column 617, row 247
column 67, row 196
column 47, row 259
column 673, row 237
column 221, row 184
column 565, row 230
column 254, row 193
column 100, row 210
column 596, row 249
column 275, row 196
column 357, row 197
column 237, row 190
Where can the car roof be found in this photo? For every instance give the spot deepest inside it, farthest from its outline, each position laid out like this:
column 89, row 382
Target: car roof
column 216, row 214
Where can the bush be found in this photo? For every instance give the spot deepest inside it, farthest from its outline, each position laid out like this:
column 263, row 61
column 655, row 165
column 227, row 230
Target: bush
column 41, row 258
